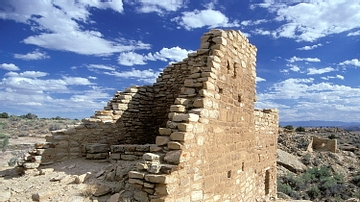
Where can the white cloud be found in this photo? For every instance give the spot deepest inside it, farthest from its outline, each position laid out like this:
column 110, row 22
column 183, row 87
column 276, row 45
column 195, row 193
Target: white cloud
column 148, row 76
column 9, row 67
column 357, row 33
column 312, row 71
column 316, row 19
column 305, row 99
column 295, row 68
column 44, row 17
column 76, row 81
column 296, row 59
column 97, row 66
column 354, row 62
column 159, row 6
column 27, row 74
column 261, row 32
column 173, row 54
column 253, row 22
column 35, row 55
column 131, row 58
column 333, row 77
column 259, row 79
column 204, row 18
column 310, row 47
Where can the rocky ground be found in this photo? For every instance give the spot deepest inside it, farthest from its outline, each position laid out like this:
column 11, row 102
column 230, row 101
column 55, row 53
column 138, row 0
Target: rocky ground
column 338, row 173
column 88, row 180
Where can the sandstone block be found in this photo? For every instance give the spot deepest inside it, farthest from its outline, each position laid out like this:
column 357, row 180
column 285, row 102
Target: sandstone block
column 115, row 156
column 151, row 157
column 177, row 108
column 135, row 181
column 181, row 136
column 97, row 148
column 129, row 157
column 165, row 131
column 173, row 157
column 162, row 140
column 157, row 179
column 174, row 145
column 136, row 175
column 185, row 127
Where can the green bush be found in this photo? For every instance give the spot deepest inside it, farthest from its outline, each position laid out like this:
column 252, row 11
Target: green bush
column 4, row 141
column 4, row 115
column 356, row 180
column 300, row 129
column 315, row 183
column 314, row 192
column 289, row 127
column 332, row 136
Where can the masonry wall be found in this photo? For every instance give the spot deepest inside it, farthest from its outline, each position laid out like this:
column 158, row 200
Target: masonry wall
column 210, row 144
column 223, row 149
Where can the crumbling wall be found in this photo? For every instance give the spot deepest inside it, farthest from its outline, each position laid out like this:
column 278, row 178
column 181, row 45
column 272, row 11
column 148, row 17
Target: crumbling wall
column 323, row 144
column 213, row 137
column 210, row 144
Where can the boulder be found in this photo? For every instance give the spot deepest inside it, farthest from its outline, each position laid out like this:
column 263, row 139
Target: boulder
column 289, row 161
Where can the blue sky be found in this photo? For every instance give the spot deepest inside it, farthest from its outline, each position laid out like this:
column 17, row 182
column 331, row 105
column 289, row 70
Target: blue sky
column 60, row 58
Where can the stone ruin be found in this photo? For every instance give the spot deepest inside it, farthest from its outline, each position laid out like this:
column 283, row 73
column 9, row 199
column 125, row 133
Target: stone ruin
column 194, row 133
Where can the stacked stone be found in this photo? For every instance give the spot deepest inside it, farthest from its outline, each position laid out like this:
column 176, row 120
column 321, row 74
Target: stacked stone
column 33, row 158
column 97, row 151
column 129, row 152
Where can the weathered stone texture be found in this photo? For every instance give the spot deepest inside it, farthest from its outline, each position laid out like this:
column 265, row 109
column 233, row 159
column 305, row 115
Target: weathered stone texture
column 204, row 141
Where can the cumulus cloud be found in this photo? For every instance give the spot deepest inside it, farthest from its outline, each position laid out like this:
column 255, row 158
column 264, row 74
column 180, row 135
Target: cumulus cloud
column 27, row 74
column 159, row 6
column 307, row 99
column 33, row 90
column 310, row 47
column 147, row 76
column 100, row 66
column 76, row 81
column 354, row 62
column 316, row 19
column 312, row 71
column 297, row 59
column 9, row 67
column 173, row 54
column 333, row 77
column 35, row 55
column 204, row 18
column 357, row 33
column 44, row 18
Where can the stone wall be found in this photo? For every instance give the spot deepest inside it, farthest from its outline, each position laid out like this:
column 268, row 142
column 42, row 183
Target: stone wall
column 210, row 144
column 223, row 149
column 323, row 144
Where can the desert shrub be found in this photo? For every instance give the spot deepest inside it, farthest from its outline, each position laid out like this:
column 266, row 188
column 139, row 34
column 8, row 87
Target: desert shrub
column 306, row 159
column 56, row 126
column 289, row 127
column 332, row 136
column 13, row 161
column 356, row 180
column 4, row 115
column 300, row 129
column 4, row 141
column 14, row 118
column 288, row 190
column 314, row 192
column 314, row 183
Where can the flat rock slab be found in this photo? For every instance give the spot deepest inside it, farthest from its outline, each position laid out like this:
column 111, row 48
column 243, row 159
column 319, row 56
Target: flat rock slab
column 289, row 161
